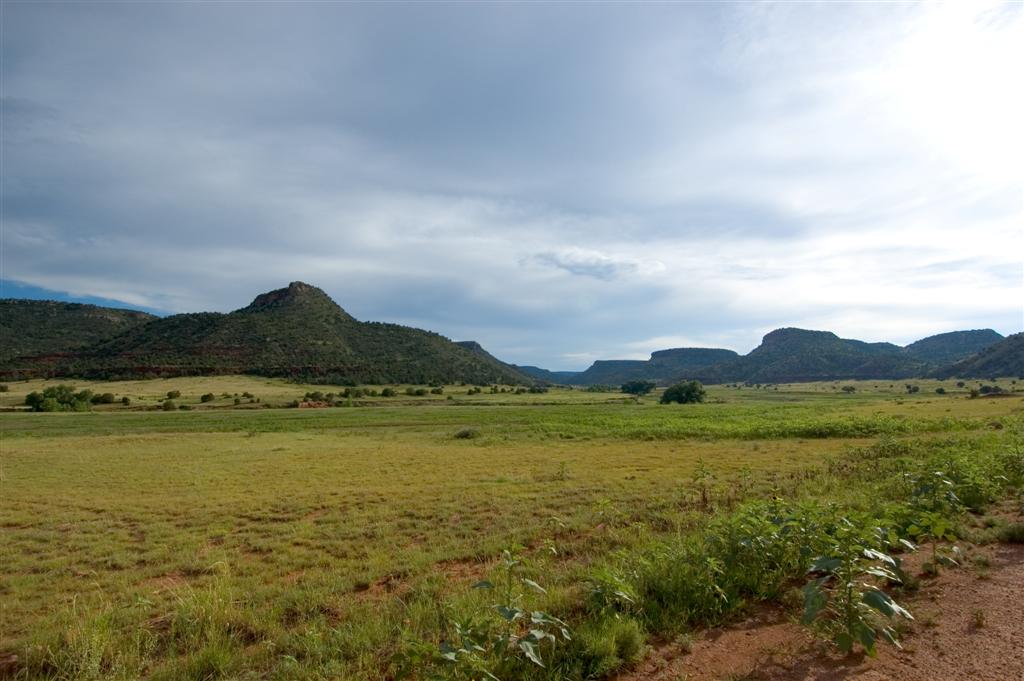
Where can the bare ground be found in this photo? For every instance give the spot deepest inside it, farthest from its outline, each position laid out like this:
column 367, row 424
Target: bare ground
column 969, row 627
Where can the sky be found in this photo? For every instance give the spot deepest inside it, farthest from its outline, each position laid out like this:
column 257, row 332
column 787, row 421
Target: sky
column 561, row 182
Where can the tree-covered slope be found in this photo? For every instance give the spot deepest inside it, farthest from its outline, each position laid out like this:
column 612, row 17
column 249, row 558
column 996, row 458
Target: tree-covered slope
column 297, row 331
column 41, row 327
column 664, row 366
column 793, row 355
column 556, row 377
column 1005, row 358
column 947, row 348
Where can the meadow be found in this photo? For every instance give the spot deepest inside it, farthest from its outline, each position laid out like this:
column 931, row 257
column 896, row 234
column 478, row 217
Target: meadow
column 251, row 540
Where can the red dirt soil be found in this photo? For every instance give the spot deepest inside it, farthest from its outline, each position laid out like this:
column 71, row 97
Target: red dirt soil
column 969, row 626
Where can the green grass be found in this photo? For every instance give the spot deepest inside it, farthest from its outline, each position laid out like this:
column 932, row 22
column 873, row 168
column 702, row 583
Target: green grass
column 310, row 543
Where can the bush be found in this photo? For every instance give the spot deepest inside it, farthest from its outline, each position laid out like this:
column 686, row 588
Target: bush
column 169, row 405
column 105, row 398
column 126, row 400
column 388, row 392
column 208, row 397
column 437, row 391
column 638, row 387
column 467, row 434
column 940, row 391
column 4, row 388
column 849, row 389
column 687, row 392
column 173, row 394
column 59, row 398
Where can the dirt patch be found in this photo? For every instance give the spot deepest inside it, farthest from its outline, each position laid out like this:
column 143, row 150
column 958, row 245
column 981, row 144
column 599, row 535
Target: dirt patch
column 167, row 582
column 464, row 569
column 969, row 625
column 315, row 514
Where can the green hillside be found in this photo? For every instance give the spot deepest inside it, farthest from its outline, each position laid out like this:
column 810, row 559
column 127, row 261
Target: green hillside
column 1005, row 358
column 47, row 327
column 556, row 377
column 296, row 332
column 947, row 348
column 796, row 355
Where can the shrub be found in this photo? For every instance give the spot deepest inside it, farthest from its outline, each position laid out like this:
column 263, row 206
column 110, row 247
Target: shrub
column 849, row 389
column 1012, row 534
column 169, row 405
column 173, row 394
column 4, row 388
column 638, row 387
column 208, row 397
column 388, row 392
column 687, row 392
column 59, row 398
column 126, row 400
column 467, row 434
column 105, row 398
column 940, row 391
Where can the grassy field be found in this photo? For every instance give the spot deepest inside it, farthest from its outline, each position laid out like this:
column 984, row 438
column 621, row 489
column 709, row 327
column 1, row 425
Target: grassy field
column 239, row 541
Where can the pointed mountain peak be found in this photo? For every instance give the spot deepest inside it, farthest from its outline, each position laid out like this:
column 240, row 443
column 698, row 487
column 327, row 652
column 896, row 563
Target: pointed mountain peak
column 296, row 294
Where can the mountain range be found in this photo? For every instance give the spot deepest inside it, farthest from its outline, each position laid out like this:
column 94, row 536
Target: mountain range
column 299, row 332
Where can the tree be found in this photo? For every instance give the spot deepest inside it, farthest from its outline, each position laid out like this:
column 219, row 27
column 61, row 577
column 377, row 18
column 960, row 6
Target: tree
column 638, row 387
column 687, row 392
column 59, row 398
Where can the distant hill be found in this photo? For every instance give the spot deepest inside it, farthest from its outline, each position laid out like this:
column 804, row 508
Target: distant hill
column 947, row 348
column 1005, row 358
column 679, row 363
column 556, row 377
column 796, row 355
column 47, row 326
column 296, row 332
column 664, row 366
column 479, row 351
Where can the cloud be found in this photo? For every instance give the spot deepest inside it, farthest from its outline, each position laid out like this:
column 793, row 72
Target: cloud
column 596, row 264
column 688, row 172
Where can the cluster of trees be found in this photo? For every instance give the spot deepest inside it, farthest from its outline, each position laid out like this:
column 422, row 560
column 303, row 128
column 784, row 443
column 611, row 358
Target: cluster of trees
column 638, row 387
column 687, row 392
column 61, row 398
column 65, row 398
